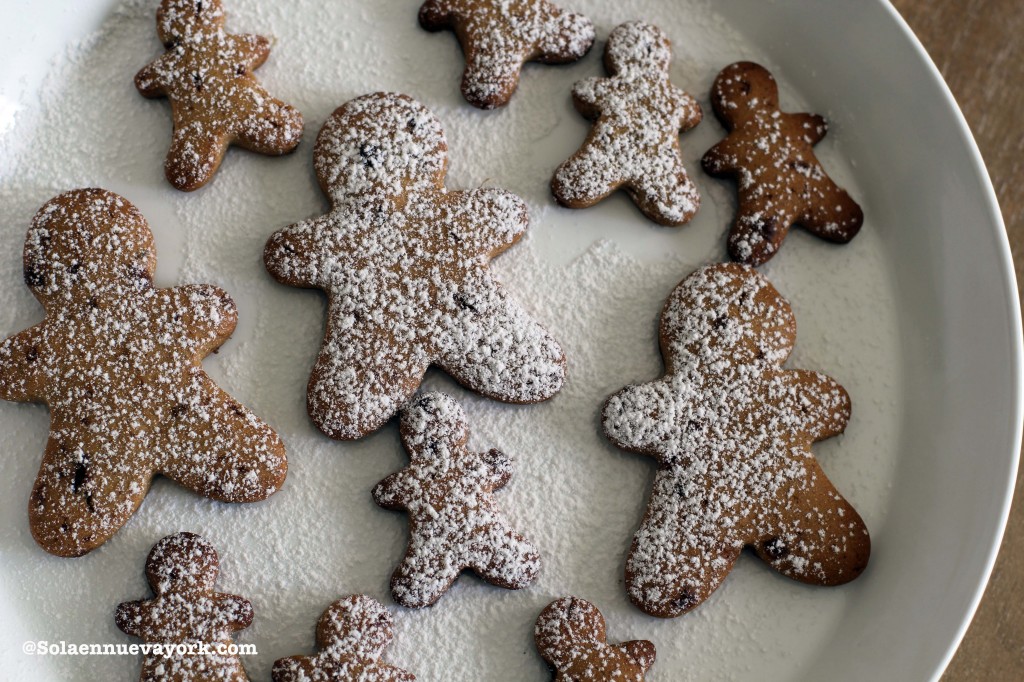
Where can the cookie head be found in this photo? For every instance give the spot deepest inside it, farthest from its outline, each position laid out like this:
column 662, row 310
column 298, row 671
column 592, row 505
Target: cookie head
column 741, row 90
column 86, row 242
column 637, row 47
column 182, row 562
column 378, row 145
column 432, row 425
column 179, row 20
column 566, row 622
column 727, row 312
column 361, row 624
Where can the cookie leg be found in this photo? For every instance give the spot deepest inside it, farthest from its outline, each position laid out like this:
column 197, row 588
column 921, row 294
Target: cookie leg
column 274, row 128
column 86, row 491
column 679, row 557
column 834, row 215
column 490, row 79
column 668, row 197
column 219, row 449
column 821, row 538
column 423, row 577
column 496, row 349
column 194, row 157
column 355, row 386
column 586, row 178
column 512, row 561
column 760, row 228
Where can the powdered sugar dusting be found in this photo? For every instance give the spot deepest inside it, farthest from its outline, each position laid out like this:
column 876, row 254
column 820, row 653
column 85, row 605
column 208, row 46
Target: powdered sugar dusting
column 575, row 496
column 453, row 519
column 404, row 264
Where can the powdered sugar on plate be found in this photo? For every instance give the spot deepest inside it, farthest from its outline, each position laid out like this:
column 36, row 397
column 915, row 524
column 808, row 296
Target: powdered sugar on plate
column 597, row 278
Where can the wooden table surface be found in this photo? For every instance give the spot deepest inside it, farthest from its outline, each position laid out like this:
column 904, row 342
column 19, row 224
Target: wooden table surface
column 979, row 47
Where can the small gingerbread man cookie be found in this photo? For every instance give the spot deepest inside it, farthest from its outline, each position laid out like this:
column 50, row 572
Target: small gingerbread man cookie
column 454, row 523
column 189, row 620
column 216, row 101
column 732, row 433
column 404, row 263
column 634, row 144
column 119, row 364
column 570, row 636
column 352, row 634
column 771, row 156
column 499, row 36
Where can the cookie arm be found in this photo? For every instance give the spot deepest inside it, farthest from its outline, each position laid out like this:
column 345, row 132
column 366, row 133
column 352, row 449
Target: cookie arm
column 129, row 618
column 294, row 669
column 720, row 159
column 393, row 491
column 293, row 255
column 436, row 15
column 822, row 405
column 237, row 612
column 253, row 49
column 499, row 468
column 641, row 651
column 486, row 221
column 21, row 372
column 639, row 418
column 205, row 314
column 813, row 126
column 687, row 108
column 149, row 82
column 587, row 96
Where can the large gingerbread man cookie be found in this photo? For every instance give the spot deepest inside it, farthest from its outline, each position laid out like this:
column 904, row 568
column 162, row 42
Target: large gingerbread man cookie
column 771, row 155
column 190, row 622
column 634, row 144
column 119, row 364
column 404, row 263
column 732, row 433
column 353, row 634
column 216, row 101
column 454, row 523
column 570, row 636
column 499, row 36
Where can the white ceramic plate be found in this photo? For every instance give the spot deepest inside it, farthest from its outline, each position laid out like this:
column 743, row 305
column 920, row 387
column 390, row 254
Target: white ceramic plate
column 918, row 318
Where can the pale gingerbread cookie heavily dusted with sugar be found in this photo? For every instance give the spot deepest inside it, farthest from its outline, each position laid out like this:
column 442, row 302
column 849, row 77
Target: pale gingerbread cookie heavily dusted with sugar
column 454, row 523
column 403, row 261
column 352, row 634
column 570, row 635
column 188, row 619
column 119, row 364
column 780, row 180
column 499, row 36
column 634, row 145
column 216, row 101
column 732, row 433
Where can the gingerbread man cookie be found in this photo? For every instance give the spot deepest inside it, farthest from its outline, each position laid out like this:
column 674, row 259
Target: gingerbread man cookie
column 499, row 36
column 216, row 101
column 771, row 156
column 353, row 634
column 404, row 263
column 570, row 636
column 732, row 433
column 188, row 620
column 454, row 523
column 634, row 144
column 119, row 364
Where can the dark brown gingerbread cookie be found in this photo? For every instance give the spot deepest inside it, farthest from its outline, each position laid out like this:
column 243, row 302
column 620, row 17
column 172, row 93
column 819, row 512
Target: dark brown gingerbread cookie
column 188, row 619
column 634, row 144
column 454, row 523
column 119, row 364
column 216, row 101
column 352, row 634
column 732, row 433
column 770, row 154
column 570, row 635
column 499, row 36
